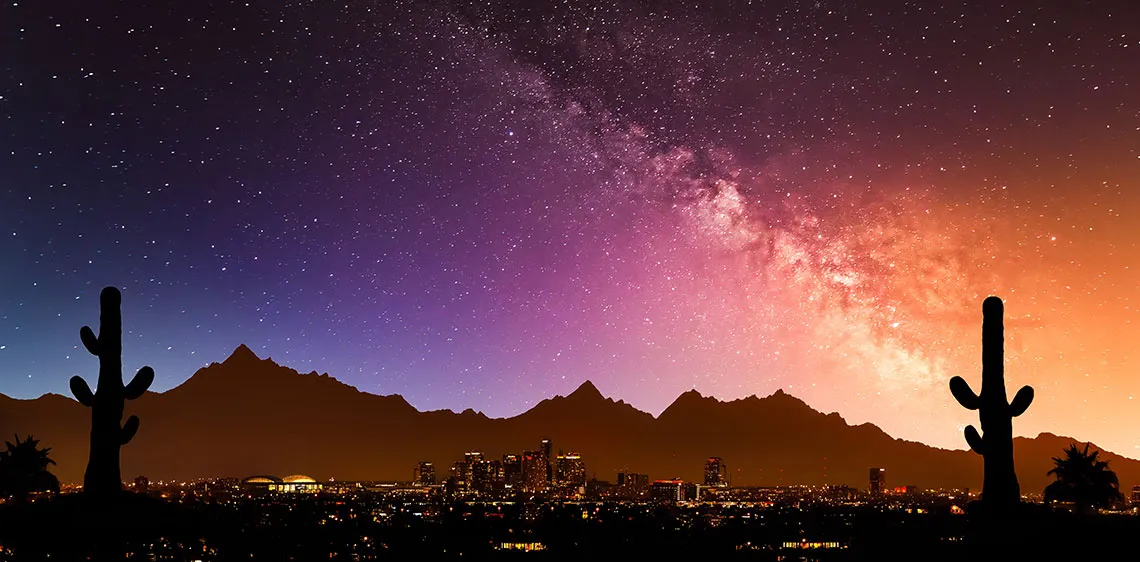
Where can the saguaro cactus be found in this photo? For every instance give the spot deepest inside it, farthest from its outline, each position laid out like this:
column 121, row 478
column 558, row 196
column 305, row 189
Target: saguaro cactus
column 995, row 444
column 102, row 477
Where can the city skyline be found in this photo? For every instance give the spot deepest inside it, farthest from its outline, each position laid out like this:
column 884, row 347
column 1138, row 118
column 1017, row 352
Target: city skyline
column 476, row 206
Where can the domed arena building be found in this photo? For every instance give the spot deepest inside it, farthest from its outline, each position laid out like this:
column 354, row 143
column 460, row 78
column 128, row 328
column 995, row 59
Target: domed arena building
column 296, row 483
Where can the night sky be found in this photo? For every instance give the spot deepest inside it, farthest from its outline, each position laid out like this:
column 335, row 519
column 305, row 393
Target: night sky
column 485, row 205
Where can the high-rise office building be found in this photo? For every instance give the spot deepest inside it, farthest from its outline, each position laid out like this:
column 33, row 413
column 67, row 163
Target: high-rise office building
column 633, row 480
column 424, row 473
column 461, row 474
column 512, row 469
column 670, row 491
column 534, row 471
column 1136, row 494
column 486, row 475
column 877, row 478
column 471, row 460
column 547, row 447
column 631, row 485
column 716, row 474
column 570, row 470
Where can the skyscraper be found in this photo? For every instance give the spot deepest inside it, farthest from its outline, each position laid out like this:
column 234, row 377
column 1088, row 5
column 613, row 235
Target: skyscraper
column 547, row 447
column 878, row 480
column 716, row 474
column 486, row 475
column 424, row 473
column 534, row 471
column 570, row 470
column 460, row 474
column 669, row 491
column 633, row 480
column 471, row 462
column 512, row 469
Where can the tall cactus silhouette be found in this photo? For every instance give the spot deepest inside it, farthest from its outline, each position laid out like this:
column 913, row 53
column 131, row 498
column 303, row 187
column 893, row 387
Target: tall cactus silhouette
column 102, row 477
column 999, row 487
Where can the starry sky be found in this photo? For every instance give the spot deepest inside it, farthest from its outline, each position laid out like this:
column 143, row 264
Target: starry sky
column 482, row 205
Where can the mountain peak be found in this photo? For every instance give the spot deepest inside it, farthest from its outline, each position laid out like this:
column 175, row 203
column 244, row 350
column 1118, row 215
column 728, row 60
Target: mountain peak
column 242, row 354
column 780, row 396
column 587, row 390
column 686, row 402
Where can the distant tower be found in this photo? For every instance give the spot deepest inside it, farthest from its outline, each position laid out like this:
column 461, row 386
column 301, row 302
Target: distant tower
column 716, row 473
column 425, row 473
column 878, row 480
column 547, row 452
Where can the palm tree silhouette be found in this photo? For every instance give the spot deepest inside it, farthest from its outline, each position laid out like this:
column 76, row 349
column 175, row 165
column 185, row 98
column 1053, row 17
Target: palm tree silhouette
column 24, row 469
column 1083, row 480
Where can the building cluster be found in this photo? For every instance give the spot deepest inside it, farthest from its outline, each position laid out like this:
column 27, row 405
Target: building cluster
column 539, row 470
column 563, row 476
column 877, row 483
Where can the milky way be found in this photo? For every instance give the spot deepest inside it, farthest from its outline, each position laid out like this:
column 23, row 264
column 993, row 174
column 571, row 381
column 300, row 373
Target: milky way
column 483, row 205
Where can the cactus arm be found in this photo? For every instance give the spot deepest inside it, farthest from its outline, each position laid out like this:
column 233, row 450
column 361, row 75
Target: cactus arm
column 1021, row 401
column 975, row 440
column 139, row 384
column 81, row 391
column 89, row 340
column 961, row 391
column 129, row 430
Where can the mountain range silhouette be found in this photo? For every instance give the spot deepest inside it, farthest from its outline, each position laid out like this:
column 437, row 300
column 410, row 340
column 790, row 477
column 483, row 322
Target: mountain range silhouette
column 249, row 415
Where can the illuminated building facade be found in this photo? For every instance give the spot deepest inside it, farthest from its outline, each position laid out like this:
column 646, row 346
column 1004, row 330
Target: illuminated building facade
column 631, row 485
column 546, row 449
column 570, row 470
column 534, row 470
column 486, row 475
column 296, row 483
column 716, row 474
column 512, row 469
column 459, row 475
column 877, row 480
column 424, row 474
column 671, row 491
